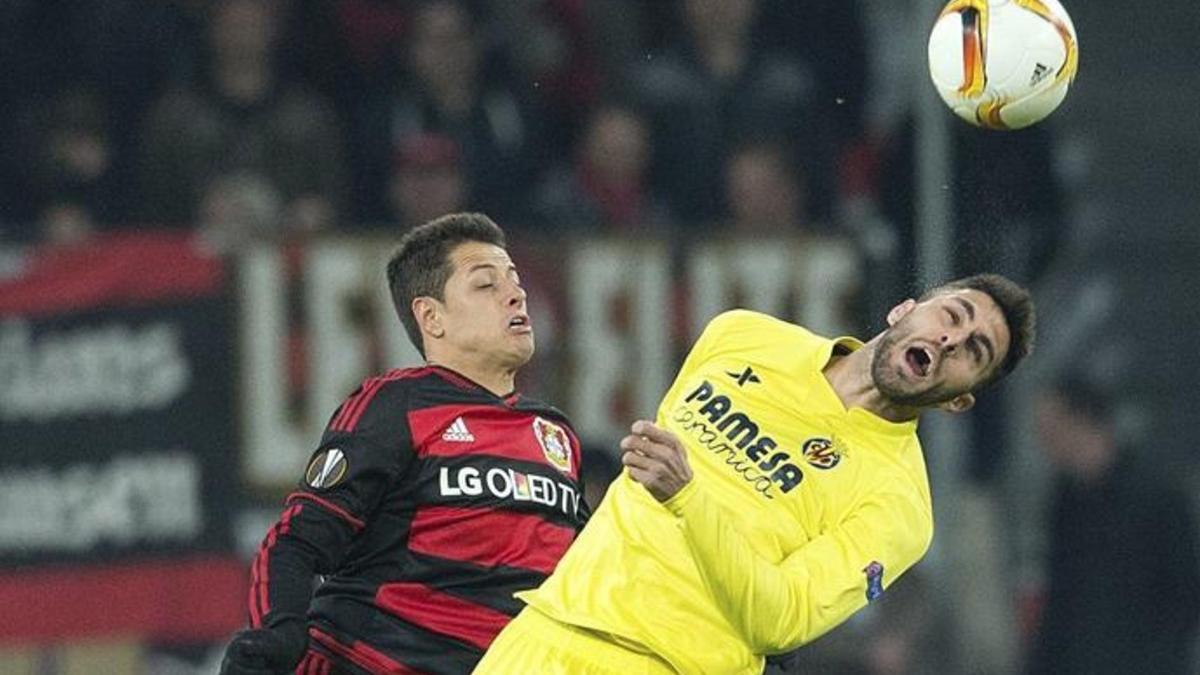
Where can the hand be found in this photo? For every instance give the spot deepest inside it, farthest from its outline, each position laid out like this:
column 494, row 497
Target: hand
column 266, row 651
column 656, row 459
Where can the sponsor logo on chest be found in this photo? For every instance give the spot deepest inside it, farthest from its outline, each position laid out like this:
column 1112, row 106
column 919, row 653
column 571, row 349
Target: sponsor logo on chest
column 712, row 420
column 509, row 485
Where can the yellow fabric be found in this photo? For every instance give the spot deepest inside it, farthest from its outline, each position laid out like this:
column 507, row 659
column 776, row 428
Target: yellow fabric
column 535, row 643
column 772, row 543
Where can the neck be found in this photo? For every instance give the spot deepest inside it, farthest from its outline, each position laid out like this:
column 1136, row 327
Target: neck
column 499, row 381
column 850, row 377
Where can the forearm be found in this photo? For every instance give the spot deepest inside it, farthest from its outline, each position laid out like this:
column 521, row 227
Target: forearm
column 769, row 604
column 297, row 548
column 781, row 604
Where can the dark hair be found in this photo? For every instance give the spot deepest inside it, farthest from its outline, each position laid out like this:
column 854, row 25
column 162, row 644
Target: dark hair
column 1015, row 303
column 421, row 264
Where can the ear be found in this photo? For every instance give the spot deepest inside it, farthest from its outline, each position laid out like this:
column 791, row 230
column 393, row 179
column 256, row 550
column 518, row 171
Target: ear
column 428, row 313
column 900, row 311
column 959, row 404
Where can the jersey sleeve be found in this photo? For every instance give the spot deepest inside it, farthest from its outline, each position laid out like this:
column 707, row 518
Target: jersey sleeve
column 778, row 606
column 365, row 447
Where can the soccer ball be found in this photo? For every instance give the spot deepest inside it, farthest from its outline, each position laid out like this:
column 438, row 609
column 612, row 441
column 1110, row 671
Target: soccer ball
column 1003, row 64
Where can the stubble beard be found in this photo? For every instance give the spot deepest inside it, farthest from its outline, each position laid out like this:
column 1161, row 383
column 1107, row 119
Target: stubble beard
column 892, row 384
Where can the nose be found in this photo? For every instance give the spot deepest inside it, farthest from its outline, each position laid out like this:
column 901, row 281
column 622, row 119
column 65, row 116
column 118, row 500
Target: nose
column 950, row 341
column 516, row 296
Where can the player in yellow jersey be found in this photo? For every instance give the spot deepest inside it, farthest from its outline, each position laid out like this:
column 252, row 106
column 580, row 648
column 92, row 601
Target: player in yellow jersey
column 780, row 489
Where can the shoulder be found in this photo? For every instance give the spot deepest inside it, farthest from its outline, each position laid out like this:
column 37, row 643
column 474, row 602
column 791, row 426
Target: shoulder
column 751, row 326
column 740, row 317
column 542, row 409
column 381, row 399
column 396, row 381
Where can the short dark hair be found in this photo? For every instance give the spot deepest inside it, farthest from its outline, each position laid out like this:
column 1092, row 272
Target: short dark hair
column 421, row 264
column 1015, row 303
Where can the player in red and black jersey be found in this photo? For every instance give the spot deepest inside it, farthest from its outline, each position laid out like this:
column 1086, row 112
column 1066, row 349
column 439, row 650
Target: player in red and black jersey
column 435, row 493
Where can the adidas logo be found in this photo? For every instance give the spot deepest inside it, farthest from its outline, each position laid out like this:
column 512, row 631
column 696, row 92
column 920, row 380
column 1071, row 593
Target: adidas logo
column 1040, row 71
column 458, row 432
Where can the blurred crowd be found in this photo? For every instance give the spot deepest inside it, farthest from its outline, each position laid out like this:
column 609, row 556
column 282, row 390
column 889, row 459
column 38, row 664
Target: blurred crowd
column 274, row 117
column 279, row 118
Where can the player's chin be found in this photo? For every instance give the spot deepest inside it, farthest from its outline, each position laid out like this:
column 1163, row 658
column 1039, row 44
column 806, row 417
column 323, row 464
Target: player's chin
column 523, row 347
column 903, row 389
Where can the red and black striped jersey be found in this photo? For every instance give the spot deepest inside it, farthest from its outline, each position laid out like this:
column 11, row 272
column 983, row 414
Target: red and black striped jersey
column 427, row 504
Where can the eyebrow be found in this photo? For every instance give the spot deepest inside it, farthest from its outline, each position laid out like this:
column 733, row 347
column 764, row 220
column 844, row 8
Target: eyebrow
column 987, row 344
column 969, row 308
column 489, row 265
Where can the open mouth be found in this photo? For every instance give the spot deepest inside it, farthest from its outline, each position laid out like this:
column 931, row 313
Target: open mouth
column 919, row 360
column 519, row 323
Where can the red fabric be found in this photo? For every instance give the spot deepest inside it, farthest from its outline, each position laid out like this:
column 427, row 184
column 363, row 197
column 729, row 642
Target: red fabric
column 362, row 655
column 442, row 613
column 497, row 433
column 181, row 601
column 471, row 535
column 115, row 270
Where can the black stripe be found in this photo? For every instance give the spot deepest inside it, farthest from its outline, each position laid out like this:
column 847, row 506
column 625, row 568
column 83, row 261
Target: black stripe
column 434, row 390
column 491, row 587
column 399, row 640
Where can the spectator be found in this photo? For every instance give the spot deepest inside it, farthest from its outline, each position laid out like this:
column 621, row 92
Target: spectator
column 243, row 116
column 109, row 57
column 830, row 36
column 716, row 88
column 73, row 177
column 554, row 44
column 239, row 208
column 1123, row 581
column 445, row 89
column 765, row 191
column 369, row 30
column 427, row 180
column 607, row 187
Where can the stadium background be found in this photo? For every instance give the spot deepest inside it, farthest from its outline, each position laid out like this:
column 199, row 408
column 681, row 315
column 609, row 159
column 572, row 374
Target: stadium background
column 196, row 197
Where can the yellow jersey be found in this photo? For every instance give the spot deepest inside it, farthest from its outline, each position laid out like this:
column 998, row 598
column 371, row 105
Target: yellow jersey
column 799, row 512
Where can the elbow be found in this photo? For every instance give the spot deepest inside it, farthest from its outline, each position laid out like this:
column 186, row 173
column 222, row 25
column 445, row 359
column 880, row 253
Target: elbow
column 775, row 645
column 784, row 635
column 781, row 641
